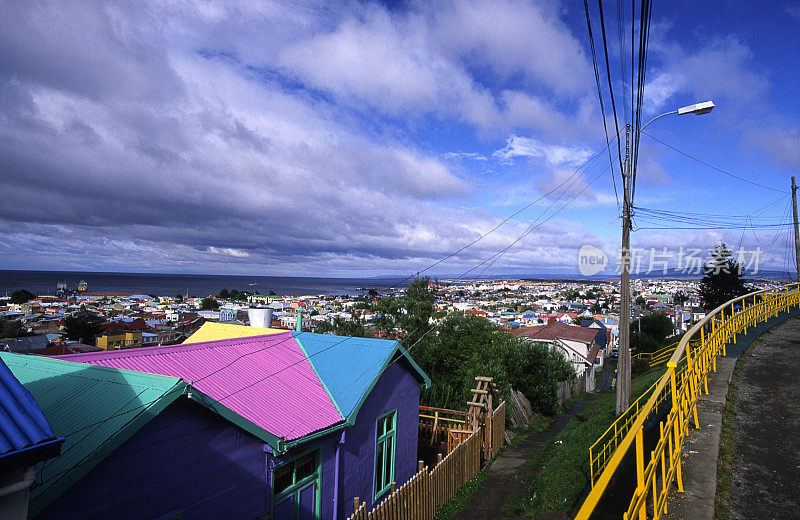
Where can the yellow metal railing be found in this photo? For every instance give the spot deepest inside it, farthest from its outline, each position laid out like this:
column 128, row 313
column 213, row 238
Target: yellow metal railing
column 684, row 380
column 601, row 450
column 663, row 355
column 604, row 446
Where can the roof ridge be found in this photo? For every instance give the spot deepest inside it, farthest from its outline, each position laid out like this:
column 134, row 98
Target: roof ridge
column 169, row 349
column 96, row 372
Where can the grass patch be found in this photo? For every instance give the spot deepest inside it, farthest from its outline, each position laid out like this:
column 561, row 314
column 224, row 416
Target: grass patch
column 539, row 423
column 449, row 510
column 560, row 470
column 727, row 443
column 455, row 504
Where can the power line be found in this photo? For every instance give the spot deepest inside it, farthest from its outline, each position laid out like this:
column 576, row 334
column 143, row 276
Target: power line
column 600, row 96
column 610, row 86
column 308, row 357
column 720, row 170
column 545, row 195
column 644, row 41
column 530, row 230
column 431, row 329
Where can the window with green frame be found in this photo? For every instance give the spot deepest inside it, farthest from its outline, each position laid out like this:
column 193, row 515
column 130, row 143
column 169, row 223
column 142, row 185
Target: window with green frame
column 385, row 452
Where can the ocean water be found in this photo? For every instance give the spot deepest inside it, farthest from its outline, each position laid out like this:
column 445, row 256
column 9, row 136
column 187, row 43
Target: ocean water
column 44, row 283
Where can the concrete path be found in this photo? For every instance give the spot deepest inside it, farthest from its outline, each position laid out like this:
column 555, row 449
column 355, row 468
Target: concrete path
column 767, row 417
column 767, row 432
column 509, row 473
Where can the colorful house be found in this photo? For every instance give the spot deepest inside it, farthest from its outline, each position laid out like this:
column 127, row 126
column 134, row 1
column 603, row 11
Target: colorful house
column 26, row 440
column 335, row 417
column 212, row 331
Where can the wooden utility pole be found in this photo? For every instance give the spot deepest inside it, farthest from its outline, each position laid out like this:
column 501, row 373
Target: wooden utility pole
column 796, row 230
column 624, row 358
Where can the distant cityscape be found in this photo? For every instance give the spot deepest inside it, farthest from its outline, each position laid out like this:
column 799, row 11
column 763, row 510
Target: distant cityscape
column 130, row 319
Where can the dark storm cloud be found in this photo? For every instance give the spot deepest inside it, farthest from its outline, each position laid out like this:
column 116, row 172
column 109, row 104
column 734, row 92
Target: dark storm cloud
column 122, row 143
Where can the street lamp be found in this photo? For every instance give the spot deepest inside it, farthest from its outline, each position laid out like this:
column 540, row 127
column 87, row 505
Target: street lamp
column 624, row 359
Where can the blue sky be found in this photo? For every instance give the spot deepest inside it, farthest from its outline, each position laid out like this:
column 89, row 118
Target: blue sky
column 357, row 139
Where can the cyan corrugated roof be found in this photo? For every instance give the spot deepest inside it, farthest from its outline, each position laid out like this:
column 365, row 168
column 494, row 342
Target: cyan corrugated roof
column 94, row 408
column 25, row 436
column 350, row 367
column 267, row 380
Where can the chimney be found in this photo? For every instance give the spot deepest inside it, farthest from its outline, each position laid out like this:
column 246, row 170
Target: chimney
column 299, row 326
column 259, row 318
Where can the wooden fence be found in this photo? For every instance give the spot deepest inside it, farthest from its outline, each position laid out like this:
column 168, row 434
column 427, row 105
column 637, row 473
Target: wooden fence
column 422, row 496
column 434, row 423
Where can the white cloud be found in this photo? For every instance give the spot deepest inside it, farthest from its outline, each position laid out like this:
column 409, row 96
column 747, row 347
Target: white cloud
column 388, row 64
column 228, row 251
column 661, row 88
column 464, row 155
column 514, row 37
column 554, row 154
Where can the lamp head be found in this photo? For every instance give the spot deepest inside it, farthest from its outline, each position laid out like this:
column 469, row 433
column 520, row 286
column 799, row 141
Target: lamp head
column 697, row 108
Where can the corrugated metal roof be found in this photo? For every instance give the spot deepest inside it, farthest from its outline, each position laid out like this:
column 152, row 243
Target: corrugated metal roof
column 347, row 366
column 211, row 331
column 95, row 408
column 265, row 379
column 22, row 423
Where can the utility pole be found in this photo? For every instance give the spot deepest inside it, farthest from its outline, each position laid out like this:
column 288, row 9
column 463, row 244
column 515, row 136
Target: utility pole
column 624, row 359
column 796, row 230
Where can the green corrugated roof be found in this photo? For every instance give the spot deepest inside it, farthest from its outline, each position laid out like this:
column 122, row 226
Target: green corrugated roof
column 95, row 408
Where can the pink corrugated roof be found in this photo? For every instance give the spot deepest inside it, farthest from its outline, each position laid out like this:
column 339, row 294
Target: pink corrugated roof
column 265, row 379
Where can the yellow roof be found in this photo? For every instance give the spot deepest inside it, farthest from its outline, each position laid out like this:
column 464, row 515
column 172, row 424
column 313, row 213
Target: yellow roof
column 211, row 331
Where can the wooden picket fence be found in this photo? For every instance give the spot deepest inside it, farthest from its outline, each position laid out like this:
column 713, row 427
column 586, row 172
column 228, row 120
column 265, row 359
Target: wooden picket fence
column 427, row 491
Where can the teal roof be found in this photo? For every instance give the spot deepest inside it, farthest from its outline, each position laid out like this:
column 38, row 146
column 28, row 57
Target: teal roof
column 95, row 408
column 350, row 367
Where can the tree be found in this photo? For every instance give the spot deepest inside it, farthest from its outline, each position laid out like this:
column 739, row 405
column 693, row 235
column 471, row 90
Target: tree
column 223, row 293
column 409, row 315
column 22, row 296
column 468, row 346
column 84, row 328
column 640, row 301
column 596, row 308
column 679, row 298
column 209, row 303
column 341, row 327
column 13, row 329
column 655, row 329
column 723, row 278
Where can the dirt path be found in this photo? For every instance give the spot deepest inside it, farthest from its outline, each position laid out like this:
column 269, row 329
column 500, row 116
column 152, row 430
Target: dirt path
column 509, row 474
column 767, row 433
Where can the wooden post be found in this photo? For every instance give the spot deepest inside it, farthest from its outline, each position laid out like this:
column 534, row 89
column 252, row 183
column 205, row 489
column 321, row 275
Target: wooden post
column 420, row 466
column 355, row 504
column 489, row 417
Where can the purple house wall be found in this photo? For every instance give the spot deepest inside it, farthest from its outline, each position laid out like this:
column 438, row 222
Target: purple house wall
column 190, row 461
column 397, row 389
column 186, row 460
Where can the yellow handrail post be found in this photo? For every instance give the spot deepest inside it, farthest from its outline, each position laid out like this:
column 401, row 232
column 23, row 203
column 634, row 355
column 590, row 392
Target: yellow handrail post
column 671, row 366
column 694, row 383
column 640, row 472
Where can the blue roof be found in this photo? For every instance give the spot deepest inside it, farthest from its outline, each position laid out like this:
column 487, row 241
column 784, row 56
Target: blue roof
column 350, row 367
column 25, row 434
